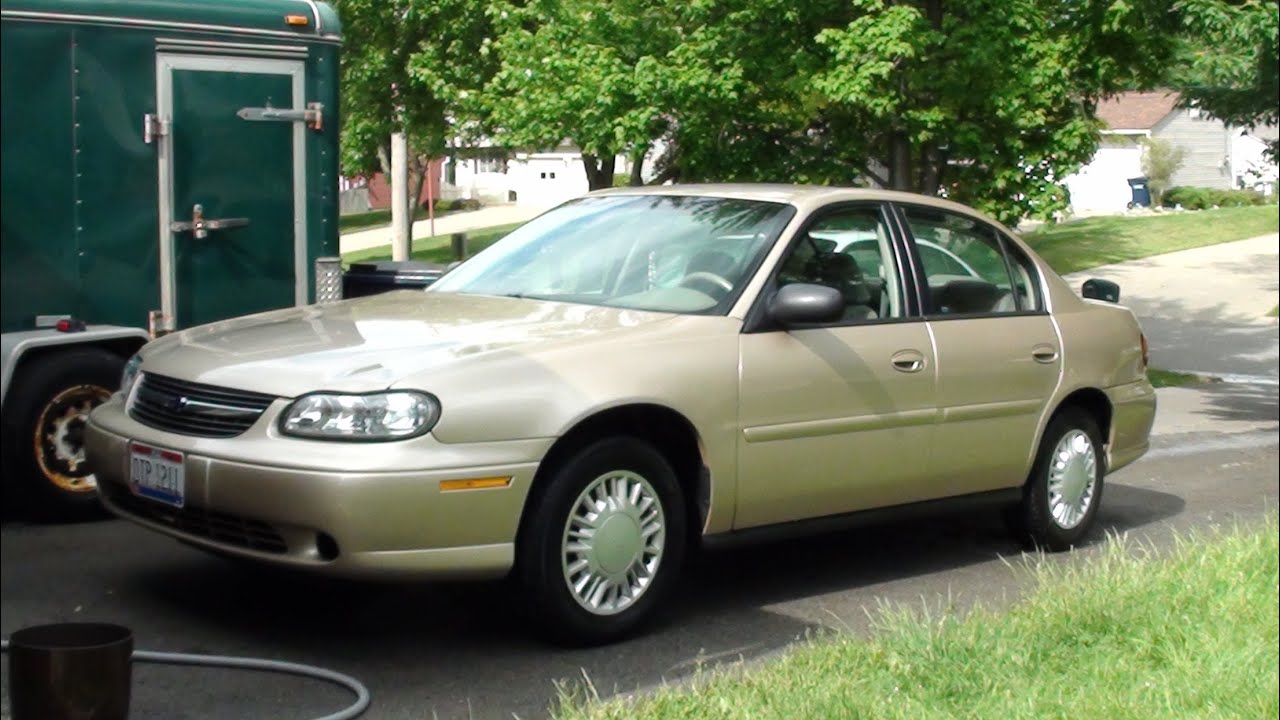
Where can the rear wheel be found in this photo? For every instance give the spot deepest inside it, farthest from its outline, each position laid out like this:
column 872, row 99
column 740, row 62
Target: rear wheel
column 45, row 417
column 604, row 542
column 1062, row 495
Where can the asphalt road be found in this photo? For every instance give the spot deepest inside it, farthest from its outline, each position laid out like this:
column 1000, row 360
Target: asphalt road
column 461, row 651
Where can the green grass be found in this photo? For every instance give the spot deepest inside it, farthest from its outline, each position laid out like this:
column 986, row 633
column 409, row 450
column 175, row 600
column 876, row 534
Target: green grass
column 1168, row 378
column 1275, row 311
column 1129, row 633
column 352, row 222
column 1082, row 244
column 435, row 248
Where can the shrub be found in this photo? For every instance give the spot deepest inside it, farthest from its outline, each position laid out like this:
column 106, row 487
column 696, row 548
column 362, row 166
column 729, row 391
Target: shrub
column 1193, row 198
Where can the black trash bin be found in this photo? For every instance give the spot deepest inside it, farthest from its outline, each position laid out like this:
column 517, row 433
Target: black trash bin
column 1140, row 191
column 371, row 278
column 70, row 671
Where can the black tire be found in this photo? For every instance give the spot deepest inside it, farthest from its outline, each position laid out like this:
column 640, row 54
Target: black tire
column 1035, row 519
column 540, row 560
column 43, row 431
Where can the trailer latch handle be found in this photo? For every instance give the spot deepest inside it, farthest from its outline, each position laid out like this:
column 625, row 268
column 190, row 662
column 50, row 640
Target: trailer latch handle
column 200, row 227
column 313, row 115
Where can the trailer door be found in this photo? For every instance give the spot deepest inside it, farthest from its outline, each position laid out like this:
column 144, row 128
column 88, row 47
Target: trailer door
column 232, row 171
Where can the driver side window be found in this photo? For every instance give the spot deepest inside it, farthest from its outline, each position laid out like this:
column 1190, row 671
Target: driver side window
column 848, row 250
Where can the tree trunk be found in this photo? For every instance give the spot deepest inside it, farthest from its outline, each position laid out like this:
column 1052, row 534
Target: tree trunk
column 637, row 167
column 899, row 161
column 417, row 173
column 599, row 172
column 930, row 171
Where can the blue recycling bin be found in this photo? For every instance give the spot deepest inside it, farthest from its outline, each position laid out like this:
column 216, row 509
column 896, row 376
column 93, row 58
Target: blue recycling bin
column 1140, row 191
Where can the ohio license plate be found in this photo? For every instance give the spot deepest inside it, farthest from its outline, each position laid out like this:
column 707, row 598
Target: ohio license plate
column 156, row 473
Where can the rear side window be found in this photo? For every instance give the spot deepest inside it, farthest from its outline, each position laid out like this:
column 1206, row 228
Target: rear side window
column 968, row 267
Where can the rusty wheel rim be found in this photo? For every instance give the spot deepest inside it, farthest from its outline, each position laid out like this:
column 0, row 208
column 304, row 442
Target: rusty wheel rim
column 59, row 437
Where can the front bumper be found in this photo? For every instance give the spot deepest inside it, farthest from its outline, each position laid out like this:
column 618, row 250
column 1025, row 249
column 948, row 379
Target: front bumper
column 355, row 518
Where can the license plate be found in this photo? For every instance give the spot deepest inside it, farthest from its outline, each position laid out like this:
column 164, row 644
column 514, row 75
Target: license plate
column 156, row 473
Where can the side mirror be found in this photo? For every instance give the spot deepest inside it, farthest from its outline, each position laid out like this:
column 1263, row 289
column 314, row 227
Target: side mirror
column 802, row 303
column 1099, row 289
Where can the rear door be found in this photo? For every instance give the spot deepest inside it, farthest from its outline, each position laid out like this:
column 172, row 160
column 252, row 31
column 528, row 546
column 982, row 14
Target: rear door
column 232, row 177
column 998, row 354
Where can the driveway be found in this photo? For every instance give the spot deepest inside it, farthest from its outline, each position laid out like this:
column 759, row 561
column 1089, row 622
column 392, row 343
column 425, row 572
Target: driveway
column 1204, row 310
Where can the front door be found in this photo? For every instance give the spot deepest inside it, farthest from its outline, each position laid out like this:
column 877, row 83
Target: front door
column 839, row 417
column 232, row 226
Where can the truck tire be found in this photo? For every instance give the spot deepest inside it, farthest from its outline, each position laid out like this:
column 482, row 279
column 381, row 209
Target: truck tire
column 44, row 417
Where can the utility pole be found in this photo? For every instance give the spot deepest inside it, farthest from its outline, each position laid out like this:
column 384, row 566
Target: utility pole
column 401, row 220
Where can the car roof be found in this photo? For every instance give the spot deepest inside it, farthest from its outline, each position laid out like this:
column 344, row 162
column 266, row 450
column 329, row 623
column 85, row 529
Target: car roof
column 804, row 196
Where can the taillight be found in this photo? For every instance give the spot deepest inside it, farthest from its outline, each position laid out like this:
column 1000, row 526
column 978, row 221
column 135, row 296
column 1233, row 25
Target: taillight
column 1146, row 350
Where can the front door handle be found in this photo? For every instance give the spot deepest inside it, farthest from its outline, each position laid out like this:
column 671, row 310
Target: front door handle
column 908, row 361
column 200, row 226
column 1044, row 354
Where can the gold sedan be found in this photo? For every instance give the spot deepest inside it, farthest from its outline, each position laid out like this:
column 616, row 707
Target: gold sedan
column 627, row 376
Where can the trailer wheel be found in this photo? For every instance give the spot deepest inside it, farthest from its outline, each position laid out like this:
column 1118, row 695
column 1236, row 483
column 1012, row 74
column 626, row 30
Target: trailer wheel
column 45, row 415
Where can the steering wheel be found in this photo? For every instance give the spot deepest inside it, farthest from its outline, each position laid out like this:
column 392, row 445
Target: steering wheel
column 708, row 278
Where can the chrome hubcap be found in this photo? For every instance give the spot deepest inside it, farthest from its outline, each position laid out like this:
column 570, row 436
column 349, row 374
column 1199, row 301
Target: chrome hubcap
column 613, row 542
column 1072, row 476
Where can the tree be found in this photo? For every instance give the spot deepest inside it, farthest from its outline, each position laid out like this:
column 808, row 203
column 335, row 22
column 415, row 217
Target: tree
column 583, row 72
column 989, row 102
column 1231, row 60
column 1160, row 160
column 408, row 66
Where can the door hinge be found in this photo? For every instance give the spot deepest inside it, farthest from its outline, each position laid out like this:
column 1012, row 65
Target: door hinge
column 313, row 115
column 153, row 126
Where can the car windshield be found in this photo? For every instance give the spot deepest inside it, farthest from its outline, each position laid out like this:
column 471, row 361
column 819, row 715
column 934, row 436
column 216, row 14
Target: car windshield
column 677, row 254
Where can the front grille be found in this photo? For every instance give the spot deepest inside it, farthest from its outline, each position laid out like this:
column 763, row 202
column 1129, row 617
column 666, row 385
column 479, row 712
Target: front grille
column 223, row 527
column 191, row 408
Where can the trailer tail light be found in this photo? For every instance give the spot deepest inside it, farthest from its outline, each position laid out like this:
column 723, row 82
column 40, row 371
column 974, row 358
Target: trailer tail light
column 69, row 325
column 297, row 20
column 328, row 279
column 1146, row 350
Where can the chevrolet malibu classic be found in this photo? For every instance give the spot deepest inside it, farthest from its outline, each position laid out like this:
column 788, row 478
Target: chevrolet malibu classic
column 626, row 376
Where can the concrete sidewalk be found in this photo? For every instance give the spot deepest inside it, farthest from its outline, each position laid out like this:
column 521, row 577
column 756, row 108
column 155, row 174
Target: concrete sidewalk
column 451, row 223
column 1204, row 310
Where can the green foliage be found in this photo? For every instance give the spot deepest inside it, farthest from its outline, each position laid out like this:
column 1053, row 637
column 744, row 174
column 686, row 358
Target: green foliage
column 1231, row 60
column 1127, row 631
column 1194, row 198
column 989, row 102
column 411, row 66
column 1160, row 160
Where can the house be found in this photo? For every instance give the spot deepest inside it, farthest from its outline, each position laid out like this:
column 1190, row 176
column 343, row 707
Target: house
column 1216, row 156
column 538, row 179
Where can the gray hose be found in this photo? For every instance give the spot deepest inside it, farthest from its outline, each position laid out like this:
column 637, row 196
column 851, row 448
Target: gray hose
column 248, row 663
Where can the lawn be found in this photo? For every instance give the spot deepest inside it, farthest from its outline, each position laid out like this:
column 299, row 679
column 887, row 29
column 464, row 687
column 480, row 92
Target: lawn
column 435, row 248
column 1082, row 244
column 1275, row 312
column 1168, row 378
column 1129, row 633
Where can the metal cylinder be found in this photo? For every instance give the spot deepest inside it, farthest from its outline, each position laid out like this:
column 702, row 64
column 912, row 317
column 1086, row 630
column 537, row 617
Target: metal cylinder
column 70, row 670
column 458, row 243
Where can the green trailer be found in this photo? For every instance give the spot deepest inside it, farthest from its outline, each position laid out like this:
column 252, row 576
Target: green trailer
column 166, row 163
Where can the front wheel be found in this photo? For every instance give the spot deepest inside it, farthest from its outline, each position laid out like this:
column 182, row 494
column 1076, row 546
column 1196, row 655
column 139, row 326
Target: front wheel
column 45, row 417
column 1062, row 495
column 604, row 541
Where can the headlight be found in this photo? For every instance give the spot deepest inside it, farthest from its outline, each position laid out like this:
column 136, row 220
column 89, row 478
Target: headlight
column 130, row 375
column 381, row 416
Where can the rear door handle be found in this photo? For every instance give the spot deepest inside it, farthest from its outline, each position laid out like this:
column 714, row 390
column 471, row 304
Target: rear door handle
column 1044, row 354
column 908, row 361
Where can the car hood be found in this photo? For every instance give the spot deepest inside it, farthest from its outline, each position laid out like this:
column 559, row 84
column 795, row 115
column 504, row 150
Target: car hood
column 367, row 344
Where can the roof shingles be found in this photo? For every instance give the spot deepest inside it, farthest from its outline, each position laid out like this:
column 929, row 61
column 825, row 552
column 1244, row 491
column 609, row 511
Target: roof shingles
column 1136, row 110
